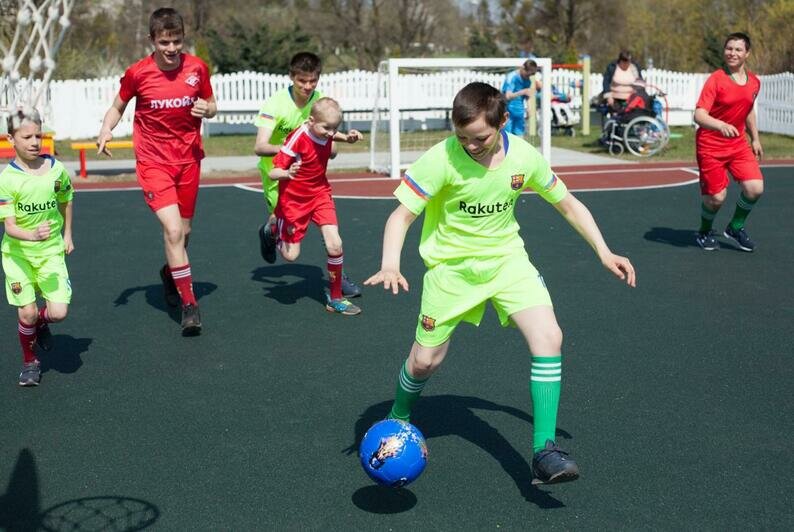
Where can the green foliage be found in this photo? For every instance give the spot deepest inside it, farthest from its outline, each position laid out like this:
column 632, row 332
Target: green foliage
column 712, row 51
column 257, row 47
column 482, row 45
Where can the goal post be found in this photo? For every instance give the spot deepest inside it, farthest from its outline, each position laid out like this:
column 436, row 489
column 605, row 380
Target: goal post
column 425, row 97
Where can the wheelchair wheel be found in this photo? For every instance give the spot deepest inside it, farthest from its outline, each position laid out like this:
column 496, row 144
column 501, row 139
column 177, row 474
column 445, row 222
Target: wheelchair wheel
column 645, row 136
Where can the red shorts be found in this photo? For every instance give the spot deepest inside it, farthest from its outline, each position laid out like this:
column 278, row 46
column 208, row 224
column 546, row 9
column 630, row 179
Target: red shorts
column 293, row 216
column 714, row 167
column 170, row 184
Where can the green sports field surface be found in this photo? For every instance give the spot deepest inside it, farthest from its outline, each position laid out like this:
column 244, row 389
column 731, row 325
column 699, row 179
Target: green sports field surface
column 677, row 395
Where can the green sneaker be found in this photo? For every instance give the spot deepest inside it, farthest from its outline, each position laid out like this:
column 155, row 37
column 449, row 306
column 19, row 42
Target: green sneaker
column 342, row 306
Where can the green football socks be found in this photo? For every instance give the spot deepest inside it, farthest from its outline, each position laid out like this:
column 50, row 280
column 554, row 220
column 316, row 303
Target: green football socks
column 544, row 386
column 743, row 208
column 408, row 390
column 706, row 218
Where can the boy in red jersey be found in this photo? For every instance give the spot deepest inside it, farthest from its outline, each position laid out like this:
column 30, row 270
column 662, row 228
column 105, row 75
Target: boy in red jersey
column 723, row 111
column 304, row 194
column 173, row 93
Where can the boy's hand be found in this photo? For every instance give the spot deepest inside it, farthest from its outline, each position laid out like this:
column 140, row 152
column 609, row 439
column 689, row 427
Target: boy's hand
column 68, row 245
column 621, row 267
column 200, row 108
column 101, row 141
column 42, row 232
column 391, row 279
column 354, row 136
column 293, row 169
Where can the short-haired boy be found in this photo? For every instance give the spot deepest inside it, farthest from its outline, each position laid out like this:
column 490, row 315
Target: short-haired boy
column 468, row 186
column 172, row 95
column 282, row 113
column 304, row 193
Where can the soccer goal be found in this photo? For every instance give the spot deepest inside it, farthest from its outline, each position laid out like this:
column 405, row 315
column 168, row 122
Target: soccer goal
column 30, row 34
column 413, row 105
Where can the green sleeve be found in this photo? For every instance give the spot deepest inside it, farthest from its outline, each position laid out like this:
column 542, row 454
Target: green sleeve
column 543, row 180
column 7, row 200
column 65, row 192
column 424, row 179
column 268, row 114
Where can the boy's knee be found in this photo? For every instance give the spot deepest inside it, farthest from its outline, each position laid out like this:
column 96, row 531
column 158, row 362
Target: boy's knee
column 548, row 342
column 28, row 316
column 57, row 314
column 174, row 234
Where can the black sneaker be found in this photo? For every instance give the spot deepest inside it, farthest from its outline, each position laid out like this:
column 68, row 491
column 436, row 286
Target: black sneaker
column 267, row 243
column 191, row 320
column 44, row 337
column 708, row 241
column 741, row 238
column 349, row 288
column 551, row 465
column 31, row 374
column 169, row 287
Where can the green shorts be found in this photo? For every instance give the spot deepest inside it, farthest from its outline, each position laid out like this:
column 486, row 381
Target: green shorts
column 458, row 290
column 269, row 187
column 25, row 277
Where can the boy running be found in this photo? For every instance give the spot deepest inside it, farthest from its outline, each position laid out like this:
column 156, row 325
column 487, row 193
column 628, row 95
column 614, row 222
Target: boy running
column 468, row 186
column 35, row 206
column 281, row 114
column 305, row 194
column 173, row 93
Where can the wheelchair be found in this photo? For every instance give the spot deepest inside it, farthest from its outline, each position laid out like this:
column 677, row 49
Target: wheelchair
column 637, row 128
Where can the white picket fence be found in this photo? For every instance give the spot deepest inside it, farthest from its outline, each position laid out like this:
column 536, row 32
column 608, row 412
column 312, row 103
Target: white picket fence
column 77, row 106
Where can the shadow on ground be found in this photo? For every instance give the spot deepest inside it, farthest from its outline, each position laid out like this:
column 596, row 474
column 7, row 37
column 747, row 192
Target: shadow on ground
column 310, row 282
column 20, row 507
column 443, row 415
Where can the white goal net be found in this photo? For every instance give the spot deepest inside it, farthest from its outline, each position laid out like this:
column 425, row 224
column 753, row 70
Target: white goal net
column 413, row 105
column 30, row 34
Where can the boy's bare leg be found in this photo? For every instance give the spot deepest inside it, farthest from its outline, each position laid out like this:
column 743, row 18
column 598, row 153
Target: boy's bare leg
column 175, row 231
column 550, row 464
column 421, row 363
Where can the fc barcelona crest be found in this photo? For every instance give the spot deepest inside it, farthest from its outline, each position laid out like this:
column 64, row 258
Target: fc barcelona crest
column 428, row 323
column 16, row 288
column 57, row 186
column 517, row 182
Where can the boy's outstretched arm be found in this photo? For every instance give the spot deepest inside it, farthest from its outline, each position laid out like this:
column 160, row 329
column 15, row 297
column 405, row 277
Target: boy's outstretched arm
column 575, row 212
column 110, row 120
column 393, row 238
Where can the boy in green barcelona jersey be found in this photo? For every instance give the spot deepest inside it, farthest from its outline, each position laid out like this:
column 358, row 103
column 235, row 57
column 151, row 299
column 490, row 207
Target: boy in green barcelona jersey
column 467, row 187
column 35, row 207
column 279, row 115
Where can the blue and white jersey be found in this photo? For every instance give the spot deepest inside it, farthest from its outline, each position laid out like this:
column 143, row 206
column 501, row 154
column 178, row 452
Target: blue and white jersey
column 514, row 83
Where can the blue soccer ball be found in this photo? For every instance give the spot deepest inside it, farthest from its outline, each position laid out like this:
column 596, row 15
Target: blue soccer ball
column 393, row 453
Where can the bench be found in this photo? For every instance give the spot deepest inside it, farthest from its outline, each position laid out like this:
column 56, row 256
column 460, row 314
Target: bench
column 47, row 146
column 83, row 146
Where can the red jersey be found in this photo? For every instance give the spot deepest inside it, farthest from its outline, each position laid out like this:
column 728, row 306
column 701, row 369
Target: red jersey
column 725, row 100
column 164, row 131
column 313, row 153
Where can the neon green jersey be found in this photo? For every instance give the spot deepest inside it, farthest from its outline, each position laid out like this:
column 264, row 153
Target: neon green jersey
column 280, row 113
column 469, row 209
column 33, row 199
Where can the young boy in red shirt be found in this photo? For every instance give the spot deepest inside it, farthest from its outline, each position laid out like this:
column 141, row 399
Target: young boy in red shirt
column 173, row 94
column 304, row 194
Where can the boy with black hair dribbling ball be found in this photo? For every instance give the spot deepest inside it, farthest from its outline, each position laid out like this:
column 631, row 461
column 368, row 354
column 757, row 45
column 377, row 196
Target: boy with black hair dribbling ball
column 467, row 186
